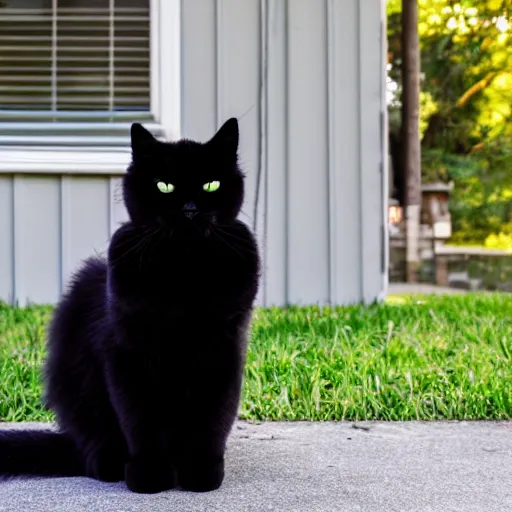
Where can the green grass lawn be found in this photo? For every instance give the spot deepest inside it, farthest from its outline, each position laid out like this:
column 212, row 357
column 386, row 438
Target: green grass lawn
column 425, row 358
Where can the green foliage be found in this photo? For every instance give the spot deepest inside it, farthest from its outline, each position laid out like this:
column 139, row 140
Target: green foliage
column 499, row 241
column 466, row 61
column 413, row 358
column 481, row 200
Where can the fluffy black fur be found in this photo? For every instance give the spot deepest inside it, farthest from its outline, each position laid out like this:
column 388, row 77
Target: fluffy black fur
column 146, row 349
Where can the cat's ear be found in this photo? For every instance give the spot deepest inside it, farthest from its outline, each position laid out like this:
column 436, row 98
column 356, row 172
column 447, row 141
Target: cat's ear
column 227, row 136
column 142, row 140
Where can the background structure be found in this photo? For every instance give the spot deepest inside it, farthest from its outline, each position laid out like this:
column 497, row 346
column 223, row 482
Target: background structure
column 306, row 78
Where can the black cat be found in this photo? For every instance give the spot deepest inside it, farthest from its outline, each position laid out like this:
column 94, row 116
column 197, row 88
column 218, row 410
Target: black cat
column 146, row 350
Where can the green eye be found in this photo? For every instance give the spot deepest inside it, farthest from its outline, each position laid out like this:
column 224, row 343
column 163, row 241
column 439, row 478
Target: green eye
column 212, row 186
column 165, row 188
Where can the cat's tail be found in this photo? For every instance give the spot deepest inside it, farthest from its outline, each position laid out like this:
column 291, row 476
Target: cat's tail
column 38, row 453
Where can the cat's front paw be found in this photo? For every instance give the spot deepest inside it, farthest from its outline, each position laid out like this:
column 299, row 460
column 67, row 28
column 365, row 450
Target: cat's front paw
column 201, row 476
column 150, row 474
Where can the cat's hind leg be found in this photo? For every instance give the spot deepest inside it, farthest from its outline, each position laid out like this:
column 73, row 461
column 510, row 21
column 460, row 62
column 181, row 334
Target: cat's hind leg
column 98, row 438
column 75, row 385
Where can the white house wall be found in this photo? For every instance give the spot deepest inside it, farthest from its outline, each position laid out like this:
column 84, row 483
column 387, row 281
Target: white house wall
column 305, row 78
column 314, row 130
column 48, row 224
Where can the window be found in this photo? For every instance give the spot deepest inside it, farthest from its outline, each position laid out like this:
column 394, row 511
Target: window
column 78, row 72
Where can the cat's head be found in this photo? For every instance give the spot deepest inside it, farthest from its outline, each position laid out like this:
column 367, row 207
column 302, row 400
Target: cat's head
column 170, row 183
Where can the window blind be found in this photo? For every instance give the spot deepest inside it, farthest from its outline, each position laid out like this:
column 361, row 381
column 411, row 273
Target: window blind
column 78, row 70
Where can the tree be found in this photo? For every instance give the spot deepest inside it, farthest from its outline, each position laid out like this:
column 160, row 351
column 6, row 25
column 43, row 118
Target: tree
column 465, row 106
column 410, row 133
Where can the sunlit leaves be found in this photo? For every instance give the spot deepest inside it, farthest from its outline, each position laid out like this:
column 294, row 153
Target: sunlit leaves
column 467, row 62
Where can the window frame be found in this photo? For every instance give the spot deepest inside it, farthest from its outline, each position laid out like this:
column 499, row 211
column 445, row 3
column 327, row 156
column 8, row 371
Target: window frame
column 54, row 154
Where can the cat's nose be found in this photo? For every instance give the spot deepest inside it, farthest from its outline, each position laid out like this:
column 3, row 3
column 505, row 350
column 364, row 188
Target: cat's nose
column 190, row 210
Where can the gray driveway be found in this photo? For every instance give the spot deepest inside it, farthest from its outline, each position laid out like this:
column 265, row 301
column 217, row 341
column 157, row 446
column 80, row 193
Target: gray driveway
column 319, row 467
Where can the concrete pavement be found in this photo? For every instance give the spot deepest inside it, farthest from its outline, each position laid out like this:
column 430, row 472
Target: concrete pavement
column 318, row 467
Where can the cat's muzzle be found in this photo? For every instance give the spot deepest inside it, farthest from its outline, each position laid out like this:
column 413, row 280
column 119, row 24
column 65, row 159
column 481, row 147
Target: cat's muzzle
column 190, row 210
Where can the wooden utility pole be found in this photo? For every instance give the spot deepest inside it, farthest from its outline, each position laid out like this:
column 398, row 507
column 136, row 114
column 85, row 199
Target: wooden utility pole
column 410, row 133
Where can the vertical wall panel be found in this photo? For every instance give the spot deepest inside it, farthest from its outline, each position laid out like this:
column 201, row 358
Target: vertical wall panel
column 85, row 220
column 199, row 109
column 384, row 153
column 118, row 213
column 371, row 41
column 6, row 239
column 37, row 239
column 276, row 164
column 344, row 151
column 308, row 246
column 238, row 73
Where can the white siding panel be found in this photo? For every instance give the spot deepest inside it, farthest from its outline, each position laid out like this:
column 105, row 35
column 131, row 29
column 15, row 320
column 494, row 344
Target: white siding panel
column 307, row 187
column 276, row 164
column 118, row 213
column 384, row 154
column 344, row 152
column 37, row 220
column 85, row 221
column 6, row 239
column 371, row 40
column 238, row 68
column 199, row 110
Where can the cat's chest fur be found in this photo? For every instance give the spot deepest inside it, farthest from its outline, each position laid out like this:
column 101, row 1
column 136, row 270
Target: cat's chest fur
column 181, row 269
column 203, row 265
